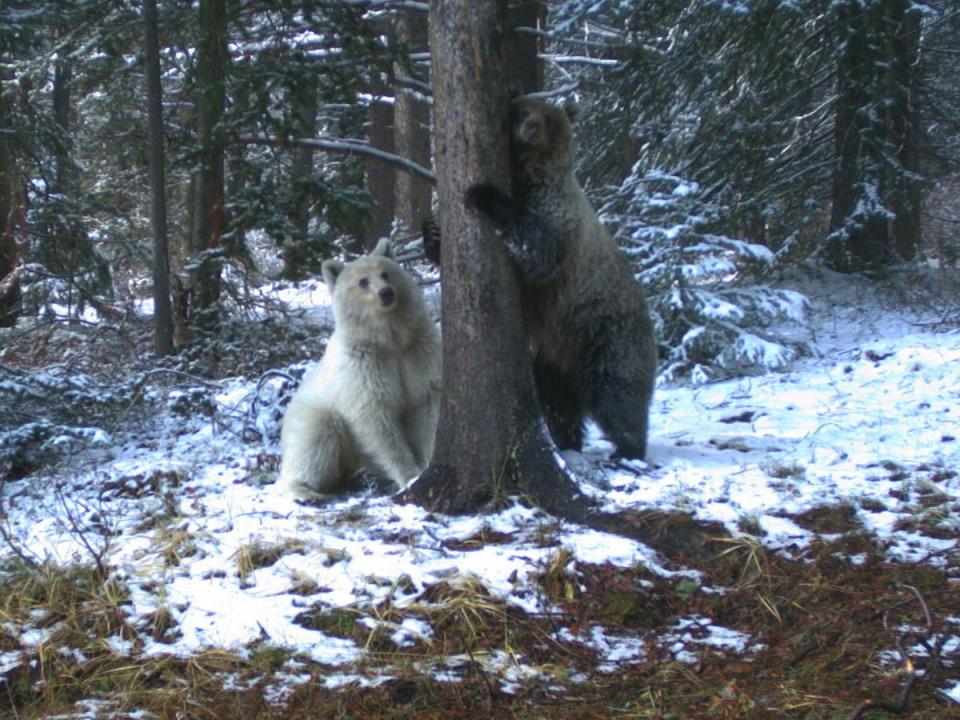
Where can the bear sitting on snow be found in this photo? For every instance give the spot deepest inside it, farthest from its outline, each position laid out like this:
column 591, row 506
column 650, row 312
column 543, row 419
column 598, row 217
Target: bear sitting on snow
column 373, row 401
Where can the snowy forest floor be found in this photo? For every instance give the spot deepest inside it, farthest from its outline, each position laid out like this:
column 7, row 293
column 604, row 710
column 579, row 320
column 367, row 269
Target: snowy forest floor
column 804, row 561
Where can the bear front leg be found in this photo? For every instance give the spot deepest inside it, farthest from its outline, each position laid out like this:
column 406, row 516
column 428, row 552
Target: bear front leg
column 535, row 245
column 430, row 230
column 386, row 446
column 491, row 202
column 421, row 432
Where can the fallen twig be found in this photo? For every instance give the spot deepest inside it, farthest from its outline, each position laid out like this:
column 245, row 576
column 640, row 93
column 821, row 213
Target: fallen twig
column 900, row 705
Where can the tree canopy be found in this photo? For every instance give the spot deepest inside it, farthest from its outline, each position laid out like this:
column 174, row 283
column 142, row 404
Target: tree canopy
column 723, row 140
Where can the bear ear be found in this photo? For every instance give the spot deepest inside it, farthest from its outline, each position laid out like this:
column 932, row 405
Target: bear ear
column 572, row 109
column 383, row 248
column 331, row 271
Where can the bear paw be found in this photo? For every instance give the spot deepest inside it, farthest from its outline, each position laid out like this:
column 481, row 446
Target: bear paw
column 491, row 202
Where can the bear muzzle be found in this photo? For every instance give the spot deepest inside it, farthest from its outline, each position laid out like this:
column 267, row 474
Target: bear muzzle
column 387, row 296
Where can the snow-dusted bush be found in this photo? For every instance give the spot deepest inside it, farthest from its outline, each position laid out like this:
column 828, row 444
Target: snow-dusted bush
column 715, row 315
column 268, row 402
column 51, row 413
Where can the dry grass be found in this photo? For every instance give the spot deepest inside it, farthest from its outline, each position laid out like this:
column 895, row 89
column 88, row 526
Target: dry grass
column 817, row 625
column 258, row 555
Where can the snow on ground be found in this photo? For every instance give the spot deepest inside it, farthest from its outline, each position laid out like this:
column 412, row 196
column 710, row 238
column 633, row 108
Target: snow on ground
column 870, row 423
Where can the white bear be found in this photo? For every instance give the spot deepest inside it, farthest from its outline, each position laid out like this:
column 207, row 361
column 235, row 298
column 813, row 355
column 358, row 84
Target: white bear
column 374, row 399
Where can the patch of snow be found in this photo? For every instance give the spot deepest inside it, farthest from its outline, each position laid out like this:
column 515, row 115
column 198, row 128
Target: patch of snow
column 690, row 635
column 865, row 423
column 952, row 691
column 613, row 651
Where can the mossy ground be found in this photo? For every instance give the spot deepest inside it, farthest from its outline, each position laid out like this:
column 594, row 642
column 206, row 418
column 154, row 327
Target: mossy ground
column 824, row 632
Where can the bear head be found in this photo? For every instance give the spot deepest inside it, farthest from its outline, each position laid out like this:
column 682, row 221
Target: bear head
column 369, row 291
column 541, row 134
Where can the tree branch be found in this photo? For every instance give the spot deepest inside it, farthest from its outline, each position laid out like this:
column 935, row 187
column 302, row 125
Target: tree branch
column 349, row 147
column 555, row 92
column 900, row 705
column 382, row 4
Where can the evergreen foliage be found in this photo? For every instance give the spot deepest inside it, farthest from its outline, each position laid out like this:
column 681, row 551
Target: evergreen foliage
column 712, row 137
column 713, row 308
column 721, row 111
column 729, row 139
column 46, row 415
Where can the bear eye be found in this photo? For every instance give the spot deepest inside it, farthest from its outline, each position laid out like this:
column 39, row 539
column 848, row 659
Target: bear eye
column 384, row 276
column 363, row 283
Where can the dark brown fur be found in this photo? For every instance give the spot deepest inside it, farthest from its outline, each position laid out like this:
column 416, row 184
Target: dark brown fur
column 594, row 348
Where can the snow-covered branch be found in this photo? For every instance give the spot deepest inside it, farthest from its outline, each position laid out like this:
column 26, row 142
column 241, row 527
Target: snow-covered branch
column 555, row 92
column 579, row 60
column 349, row 147
column 383, row 4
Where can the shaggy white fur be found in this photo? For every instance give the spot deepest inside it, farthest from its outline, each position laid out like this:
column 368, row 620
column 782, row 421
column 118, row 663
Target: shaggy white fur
column 374, row 399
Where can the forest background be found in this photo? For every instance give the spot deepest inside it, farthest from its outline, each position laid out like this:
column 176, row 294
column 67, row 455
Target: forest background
column 725, row 144
column 722, row 141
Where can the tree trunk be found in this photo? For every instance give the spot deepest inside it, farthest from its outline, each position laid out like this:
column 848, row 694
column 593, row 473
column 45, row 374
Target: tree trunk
column 11, row 214
column 296, row 252
column 67, row 251
column 64, row 249
column 411, row 124
column 162, row 319
column 492, row 438
column 875, row 210
column 208, row 212
column 858, row 225
column 908, row 199
column 381, row 177
column 62, row 78
column 238, row 177
column 523, row 48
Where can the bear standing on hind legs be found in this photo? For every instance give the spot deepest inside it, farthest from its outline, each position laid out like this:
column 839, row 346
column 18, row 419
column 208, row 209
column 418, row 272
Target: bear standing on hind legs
column 594, row 351
column 374, row 400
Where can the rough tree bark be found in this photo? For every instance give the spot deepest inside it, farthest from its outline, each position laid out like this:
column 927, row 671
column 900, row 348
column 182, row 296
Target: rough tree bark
column 411, row 123
column 162, row 319
column 876, row 194
column 295, row 253
column 523, row 48
column 11, row 213
column 905, row 79
column 67, row 250
column 207, row 183
column 380, row 135
column 491, row 438
column 380, row 178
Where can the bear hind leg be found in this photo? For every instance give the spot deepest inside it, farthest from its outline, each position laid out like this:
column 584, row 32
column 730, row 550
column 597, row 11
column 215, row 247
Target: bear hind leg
column 316, row 452
column 621, row 407
column 561, row 401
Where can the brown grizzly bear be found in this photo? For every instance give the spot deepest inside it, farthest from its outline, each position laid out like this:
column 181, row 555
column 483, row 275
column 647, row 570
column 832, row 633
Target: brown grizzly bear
column 594, row 350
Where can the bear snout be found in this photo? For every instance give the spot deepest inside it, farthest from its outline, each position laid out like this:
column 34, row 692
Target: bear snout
column 387, row 296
